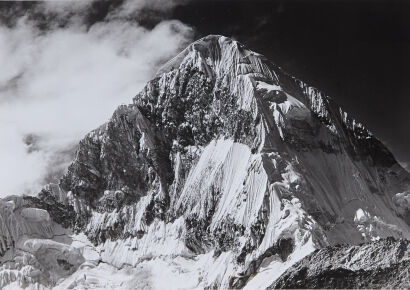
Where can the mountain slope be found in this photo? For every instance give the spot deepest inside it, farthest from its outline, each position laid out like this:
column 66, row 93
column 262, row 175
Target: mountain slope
column 386, row 265
column 223, row 165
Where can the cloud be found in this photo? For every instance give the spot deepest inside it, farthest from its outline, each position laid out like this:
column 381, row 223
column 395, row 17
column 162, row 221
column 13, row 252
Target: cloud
column 58, row 83
column 132, row 7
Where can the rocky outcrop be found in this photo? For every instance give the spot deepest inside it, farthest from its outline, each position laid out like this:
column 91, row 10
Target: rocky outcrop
column 381, row 264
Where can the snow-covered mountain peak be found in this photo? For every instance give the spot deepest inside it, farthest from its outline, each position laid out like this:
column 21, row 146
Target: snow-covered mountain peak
column 217, row 50
column 227, row 61
column 224, row 167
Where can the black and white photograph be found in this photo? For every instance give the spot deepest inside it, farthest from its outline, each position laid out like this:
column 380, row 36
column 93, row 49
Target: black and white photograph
column 205, row 144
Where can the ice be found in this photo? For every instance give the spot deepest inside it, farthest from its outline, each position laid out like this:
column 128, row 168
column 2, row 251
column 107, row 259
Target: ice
column 361, row 216
column 35, row 214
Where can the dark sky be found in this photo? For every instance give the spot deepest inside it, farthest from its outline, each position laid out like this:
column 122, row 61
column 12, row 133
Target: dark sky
column 358, row 52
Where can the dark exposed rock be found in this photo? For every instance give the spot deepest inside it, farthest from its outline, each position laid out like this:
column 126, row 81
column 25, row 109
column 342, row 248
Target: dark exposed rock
column 65, row 265
column 381, row 264
column 59, row 213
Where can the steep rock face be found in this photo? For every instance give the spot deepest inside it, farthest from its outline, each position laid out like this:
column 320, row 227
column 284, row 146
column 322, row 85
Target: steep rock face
column 382, row 264
column 225, row 160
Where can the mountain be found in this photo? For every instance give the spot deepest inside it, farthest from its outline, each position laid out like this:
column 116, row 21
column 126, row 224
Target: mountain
column 225, row 171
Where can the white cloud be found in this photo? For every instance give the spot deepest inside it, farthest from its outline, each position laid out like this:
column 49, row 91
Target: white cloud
column 64, row 82
column 132, row 7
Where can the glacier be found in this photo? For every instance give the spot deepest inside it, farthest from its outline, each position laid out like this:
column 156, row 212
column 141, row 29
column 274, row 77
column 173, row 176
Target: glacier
column 224, row 172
